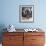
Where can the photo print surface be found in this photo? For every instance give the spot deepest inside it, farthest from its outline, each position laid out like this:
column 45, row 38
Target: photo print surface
column 26, row 13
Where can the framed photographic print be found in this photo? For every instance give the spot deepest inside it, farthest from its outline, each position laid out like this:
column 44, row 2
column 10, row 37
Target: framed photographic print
column 26, row 13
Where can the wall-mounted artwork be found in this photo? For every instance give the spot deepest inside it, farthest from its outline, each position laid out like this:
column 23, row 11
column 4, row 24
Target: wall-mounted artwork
column 26, row 13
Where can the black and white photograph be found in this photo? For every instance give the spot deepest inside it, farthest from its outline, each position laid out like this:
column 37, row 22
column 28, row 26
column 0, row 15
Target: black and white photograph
column 26, row 13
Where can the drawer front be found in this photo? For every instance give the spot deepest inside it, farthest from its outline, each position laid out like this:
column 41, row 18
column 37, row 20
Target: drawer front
column 37, row 39
column 12, row 44
column 13, row 33
column 8, row 44
column 34, row 33
column 12, row 39
column 27, row 41
column 37, row 45
column 33, row 40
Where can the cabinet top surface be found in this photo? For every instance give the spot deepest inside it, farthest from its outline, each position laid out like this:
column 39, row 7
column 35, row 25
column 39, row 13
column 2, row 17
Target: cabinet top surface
column 22, row 30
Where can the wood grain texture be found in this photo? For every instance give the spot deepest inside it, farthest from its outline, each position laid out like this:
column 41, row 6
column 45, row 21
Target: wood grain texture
column 34, row 39
column 13, row 39
column 23, row 39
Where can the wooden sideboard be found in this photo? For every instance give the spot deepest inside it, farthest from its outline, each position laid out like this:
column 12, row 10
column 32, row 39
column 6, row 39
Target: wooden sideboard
column 23, row 39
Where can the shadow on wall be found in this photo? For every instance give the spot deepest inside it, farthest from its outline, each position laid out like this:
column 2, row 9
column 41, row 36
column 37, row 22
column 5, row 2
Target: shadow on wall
column 2, row 26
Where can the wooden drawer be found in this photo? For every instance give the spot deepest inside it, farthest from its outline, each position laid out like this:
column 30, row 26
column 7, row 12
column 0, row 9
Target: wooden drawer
column 12, row 39
column 8, row 45
column 13, row 44
column 34, row 33
column 33, row 39
column 16, row 41
column 37, row 45
column 37, row 39
column 13, row 33
column 27, row 41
